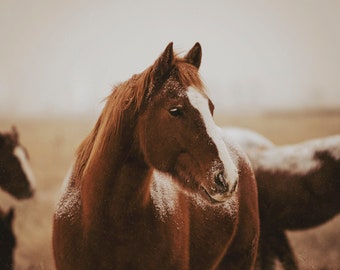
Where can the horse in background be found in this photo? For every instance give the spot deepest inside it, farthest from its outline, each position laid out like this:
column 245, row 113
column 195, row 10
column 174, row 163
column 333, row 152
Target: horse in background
column 16, row 176
column 153, row 185
column 299, row 188
column 7, row 240
column 248, row 139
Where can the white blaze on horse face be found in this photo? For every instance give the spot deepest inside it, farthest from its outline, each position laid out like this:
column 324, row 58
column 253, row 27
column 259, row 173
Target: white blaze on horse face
column 201, row 103
column 21, row 156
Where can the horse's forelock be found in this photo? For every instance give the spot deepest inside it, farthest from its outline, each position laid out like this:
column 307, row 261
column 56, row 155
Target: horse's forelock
column 188, row 75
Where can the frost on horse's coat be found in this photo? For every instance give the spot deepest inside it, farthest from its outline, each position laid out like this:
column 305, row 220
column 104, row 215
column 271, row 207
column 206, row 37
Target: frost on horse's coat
column 164, row 195
column 153, row 185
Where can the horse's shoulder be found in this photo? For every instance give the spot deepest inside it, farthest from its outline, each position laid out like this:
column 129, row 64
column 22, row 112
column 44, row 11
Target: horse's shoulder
column 69, row 203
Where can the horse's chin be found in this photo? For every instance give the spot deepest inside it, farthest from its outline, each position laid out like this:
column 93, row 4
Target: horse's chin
column 215, row 198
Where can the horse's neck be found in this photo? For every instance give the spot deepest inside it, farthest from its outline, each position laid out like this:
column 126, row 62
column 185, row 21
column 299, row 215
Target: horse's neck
column 117, row 180
column 3, row 177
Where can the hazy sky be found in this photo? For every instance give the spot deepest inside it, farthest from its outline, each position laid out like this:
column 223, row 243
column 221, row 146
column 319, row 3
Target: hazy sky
column 63, row 57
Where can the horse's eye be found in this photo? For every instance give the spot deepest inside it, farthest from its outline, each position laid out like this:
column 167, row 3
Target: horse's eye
column 176, row 111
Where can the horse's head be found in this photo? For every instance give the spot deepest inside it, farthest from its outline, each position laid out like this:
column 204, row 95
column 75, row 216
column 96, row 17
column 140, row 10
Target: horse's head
column 16, row 175
column 176, row 130
column 8, row 240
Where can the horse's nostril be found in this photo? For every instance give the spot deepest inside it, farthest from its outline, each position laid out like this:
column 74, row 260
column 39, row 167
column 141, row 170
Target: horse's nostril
column 221, row 184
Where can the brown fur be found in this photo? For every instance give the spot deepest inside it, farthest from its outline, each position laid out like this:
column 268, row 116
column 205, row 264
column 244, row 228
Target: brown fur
column 295, row 197
column 109, row 217
column 295, row 201
column 7, row 240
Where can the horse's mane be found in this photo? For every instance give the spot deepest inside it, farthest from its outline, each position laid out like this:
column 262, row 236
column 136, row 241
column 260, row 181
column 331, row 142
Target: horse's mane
column 131, row 95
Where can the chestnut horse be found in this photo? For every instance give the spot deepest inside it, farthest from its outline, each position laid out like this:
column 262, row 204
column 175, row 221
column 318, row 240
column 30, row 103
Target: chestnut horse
column 299, row 188
column 16, row 176
column 7, row 239
column 153, row 185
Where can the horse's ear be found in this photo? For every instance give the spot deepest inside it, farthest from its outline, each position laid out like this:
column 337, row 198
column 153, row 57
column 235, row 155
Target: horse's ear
column 194, row 56
column 163, row 65
column 160, row 70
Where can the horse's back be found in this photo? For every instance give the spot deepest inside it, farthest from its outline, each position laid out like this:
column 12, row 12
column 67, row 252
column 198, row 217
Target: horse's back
column 249, row 140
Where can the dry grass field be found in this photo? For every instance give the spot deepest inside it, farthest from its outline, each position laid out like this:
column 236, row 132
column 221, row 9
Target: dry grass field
column 52, row 142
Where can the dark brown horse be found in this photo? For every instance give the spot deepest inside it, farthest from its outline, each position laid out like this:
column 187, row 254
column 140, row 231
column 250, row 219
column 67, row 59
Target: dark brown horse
column 299, row 188
column 7, row 240
column 153, row 185
column 16, row 176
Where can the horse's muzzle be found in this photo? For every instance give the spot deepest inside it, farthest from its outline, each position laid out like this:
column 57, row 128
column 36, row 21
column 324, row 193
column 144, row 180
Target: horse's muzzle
column 221, row 189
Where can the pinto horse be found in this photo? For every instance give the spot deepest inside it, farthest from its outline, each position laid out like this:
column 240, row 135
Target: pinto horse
column 298, row 185
column 7, row 239
column 16, row 176
column 153, row 185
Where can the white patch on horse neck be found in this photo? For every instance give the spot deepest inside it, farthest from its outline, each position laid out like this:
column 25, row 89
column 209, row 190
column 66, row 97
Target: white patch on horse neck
column 26, row 167
column 69, row 202
column 164, row 194
column 200, row 102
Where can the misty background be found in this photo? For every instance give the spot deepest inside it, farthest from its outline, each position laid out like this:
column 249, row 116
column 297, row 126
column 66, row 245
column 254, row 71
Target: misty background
column 64, row 57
